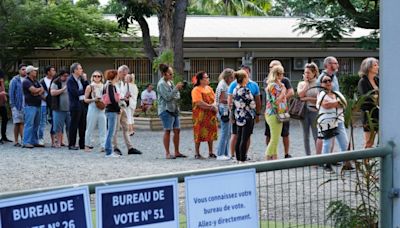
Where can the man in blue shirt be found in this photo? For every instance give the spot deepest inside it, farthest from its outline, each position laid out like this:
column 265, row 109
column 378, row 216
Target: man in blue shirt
column 255, row 91
column 17, row 103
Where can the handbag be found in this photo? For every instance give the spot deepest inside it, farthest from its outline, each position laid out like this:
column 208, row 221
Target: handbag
column 106, row 96
column 283, row 117
column 297, row 108
column 100, row 105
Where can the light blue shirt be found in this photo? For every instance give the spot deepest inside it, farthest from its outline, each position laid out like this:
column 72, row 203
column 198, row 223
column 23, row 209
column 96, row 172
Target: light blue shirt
column 252, row 86
column 335, row 82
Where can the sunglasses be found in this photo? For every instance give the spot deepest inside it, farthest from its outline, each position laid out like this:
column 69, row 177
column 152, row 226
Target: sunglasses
column 326, row 81
column 96, row 76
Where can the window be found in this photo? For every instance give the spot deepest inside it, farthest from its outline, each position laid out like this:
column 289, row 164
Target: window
column 213, row 67
column 140, row 67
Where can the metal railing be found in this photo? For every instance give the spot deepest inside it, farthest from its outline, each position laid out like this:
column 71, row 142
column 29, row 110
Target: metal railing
column 292, row 192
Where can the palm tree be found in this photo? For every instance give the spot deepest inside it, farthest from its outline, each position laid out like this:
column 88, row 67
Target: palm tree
column 231, row 7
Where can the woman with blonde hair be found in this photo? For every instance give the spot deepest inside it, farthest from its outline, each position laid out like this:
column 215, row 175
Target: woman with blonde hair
column 369, row 84
column 308, row 92
column 93, row 94
column 275, row 104
column 244, row 113
column 131, row 100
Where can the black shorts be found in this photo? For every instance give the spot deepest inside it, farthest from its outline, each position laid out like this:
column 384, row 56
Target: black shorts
column 234, row 129
column 374, row 120
column 285, row 129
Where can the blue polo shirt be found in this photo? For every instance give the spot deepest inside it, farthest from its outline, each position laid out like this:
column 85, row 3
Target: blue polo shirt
column 252, row 86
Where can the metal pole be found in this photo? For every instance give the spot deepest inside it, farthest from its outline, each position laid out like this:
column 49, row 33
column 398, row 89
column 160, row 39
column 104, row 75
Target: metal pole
column 389, row 108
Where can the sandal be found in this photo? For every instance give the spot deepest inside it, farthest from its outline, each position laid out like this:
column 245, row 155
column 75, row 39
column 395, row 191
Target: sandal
column 169, row 156
column 212, row 156
column 180, row 155
column 198, row 156
column 17, row 145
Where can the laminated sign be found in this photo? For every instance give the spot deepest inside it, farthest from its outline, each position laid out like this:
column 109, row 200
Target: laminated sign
column 227, row 199
column 146, row 204
column 69, row 208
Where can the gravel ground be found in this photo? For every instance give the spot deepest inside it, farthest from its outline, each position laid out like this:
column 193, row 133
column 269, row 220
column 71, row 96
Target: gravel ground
column 45, row 167
column 296, row 195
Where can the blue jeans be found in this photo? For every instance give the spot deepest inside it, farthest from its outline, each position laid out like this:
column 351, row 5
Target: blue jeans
column 31, row 125
column 341, row 138
column 112, row 118
column 43, row 121
column 225, row 135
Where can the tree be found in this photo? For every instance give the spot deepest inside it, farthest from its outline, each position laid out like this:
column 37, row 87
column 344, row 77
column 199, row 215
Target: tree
column 113, row 7
column 334, row 18
column 62, row 26
column 171, row 16
column 88, row 3
column 230, row 7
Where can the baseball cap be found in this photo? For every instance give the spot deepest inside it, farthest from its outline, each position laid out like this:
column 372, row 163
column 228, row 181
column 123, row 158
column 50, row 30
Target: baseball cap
column 31, row 68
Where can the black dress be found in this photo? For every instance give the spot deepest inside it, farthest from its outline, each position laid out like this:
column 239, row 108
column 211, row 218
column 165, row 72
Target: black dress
column 369, row 105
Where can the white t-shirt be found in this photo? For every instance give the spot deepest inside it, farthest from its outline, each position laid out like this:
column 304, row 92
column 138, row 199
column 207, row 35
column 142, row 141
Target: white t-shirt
column 327, row 116
column 148, row 97
column 47, row 82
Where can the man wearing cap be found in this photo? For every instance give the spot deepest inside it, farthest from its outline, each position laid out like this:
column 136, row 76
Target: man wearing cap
column 17, row 103
column 32, row 94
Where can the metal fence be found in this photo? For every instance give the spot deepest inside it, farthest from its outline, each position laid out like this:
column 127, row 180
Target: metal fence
column 297, row 192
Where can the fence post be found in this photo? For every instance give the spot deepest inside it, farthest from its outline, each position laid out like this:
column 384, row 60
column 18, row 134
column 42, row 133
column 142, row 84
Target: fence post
column 389, row 107
column 386, row 182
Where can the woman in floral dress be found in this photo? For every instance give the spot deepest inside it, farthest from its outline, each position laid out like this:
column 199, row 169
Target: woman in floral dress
column 205, row 124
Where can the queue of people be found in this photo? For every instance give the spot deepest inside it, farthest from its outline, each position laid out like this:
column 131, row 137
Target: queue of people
column 107, row 102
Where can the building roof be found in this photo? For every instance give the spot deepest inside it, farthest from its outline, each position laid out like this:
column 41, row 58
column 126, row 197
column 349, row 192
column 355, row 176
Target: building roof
column 233, row 27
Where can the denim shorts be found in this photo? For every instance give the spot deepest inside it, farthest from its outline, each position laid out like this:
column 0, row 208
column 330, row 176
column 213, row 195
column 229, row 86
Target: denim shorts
column 169, row 121
column 17, row 115
column 59, row 118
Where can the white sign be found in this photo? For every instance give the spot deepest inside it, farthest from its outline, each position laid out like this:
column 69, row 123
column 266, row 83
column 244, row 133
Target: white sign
column 226, row 199
column 145, row 204
column 67, row 208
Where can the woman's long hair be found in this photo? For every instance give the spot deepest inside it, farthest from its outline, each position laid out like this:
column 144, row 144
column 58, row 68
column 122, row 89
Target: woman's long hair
column 273, row 73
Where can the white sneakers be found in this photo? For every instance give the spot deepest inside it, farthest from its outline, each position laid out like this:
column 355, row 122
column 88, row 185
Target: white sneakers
column 223, row 158
column 113, row 156
column 41, row 142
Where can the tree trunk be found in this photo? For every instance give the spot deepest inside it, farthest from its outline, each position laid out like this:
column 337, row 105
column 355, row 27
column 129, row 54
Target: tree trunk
column 148, row 47
column 178, row 34
column 165, row 25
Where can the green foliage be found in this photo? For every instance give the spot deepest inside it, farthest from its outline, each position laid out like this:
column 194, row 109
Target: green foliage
column 348, row 85
column 166, row 57
column 229, row 7
column 114, row 7
column 333, row 19
column 62, row 26
column 365, row 214
column 88, row 3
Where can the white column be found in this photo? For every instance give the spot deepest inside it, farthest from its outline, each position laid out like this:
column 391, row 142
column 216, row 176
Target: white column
column 389, row 89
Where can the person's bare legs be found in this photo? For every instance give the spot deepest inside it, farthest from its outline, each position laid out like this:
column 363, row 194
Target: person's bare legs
column 285, row 141
column 166, row 139
column 176, row 141
column 210, row 147
column 318, row 146
column 197, row 148
column 16, row 132
column 233, row 143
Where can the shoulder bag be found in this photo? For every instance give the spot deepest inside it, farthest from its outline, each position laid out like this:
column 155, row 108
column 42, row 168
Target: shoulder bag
column 297, row 108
